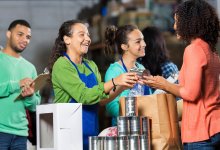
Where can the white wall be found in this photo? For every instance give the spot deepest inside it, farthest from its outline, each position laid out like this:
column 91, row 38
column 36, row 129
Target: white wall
column 45, row 17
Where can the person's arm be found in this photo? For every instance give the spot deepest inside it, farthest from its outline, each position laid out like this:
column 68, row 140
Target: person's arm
column 65, row 76
column 125, row 80
column 112, row 103
column 30, row 101
column 159, row 82
column 66, row 80
column 8, row 87
column 113, row 71
column 194, row 60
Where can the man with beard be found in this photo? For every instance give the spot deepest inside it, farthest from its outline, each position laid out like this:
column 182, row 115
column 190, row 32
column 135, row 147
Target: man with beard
column 16, row 77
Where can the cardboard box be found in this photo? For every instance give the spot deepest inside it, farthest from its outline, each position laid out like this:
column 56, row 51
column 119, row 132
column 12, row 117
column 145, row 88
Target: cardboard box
column 59, row 126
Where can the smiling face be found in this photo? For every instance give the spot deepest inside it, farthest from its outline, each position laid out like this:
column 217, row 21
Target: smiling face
column 135, row 45
column 19, row 38
column 80, row 40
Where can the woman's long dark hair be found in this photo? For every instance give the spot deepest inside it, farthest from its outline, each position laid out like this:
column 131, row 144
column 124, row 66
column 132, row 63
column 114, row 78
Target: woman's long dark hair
column 156, row 52
column 59, row 45
column 197, row 19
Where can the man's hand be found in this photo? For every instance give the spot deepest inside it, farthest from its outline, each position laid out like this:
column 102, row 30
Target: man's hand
column 25, row 82
column 27, row 87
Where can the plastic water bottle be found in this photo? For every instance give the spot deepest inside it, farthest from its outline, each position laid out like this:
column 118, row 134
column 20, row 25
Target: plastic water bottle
column 137, row 90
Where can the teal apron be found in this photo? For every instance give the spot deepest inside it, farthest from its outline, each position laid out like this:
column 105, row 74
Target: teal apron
column 90, row 112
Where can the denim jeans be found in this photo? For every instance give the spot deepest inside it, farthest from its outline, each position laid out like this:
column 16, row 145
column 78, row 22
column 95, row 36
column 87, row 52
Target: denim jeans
column 211, row 144
column 12, row 142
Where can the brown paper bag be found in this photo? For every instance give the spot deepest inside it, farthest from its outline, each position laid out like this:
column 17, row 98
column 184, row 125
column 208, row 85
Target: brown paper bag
column 180, row 109
column 162, row 110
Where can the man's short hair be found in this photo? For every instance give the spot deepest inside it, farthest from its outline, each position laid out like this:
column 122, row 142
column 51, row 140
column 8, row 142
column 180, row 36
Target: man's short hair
column 19, row 21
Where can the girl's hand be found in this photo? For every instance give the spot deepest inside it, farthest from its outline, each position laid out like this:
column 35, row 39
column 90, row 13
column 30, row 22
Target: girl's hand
column 126, row 79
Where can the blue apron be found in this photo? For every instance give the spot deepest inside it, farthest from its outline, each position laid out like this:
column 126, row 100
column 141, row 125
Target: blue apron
column 90, row 112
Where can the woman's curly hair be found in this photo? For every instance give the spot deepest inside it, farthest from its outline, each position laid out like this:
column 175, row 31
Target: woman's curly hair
column 197, row 19
column 59, row 46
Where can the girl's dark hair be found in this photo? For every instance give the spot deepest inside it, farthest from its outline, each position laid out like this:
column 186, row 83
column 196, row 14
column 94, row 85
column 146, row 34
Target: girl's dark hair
column 59, row 45
column 114, row 37
column 156, row 52
column 197, row 19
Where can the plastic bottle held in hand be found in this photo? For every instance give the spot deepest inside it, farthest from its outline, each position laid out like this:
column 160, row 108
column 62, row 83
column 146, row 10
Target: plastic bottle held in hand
column 138, row 89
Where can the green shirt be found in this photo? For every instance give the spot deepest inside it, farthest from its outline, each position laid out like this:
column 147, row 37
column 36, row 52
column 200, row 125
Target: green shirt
column 12, row 113
column 67, row 84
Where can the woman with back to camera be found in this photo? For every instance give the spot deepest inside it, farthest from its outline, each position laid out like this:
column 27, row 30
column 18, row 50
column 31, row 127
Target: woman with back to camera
column 76, row 79
column 156, row 57
column 197, row 23
column 128, row 41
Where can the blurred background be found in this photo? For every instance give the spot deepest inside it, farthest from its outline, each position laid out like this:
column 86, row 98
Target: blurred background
column 46, row 16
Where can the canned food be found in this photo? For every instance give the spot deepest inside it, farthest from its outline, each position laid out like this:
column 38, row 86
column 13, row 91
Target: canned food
column 139, row 71
column 110, row 143
column 144, row 142
column 123, row 142
column 130, row 106
column 145, row 126
column 135, row 125
column 96, row 143
column 134, row 142
column 122, row 124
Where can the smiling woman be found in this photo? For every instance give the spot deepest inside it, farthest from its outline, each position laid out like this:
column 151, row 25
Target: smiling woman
column 76, row 79
column 128, row 41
